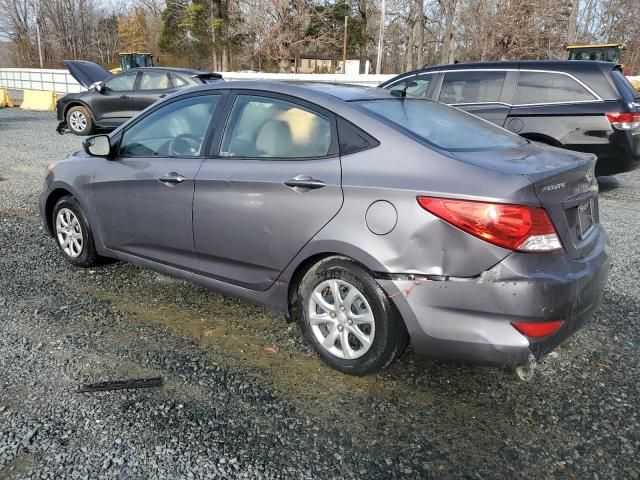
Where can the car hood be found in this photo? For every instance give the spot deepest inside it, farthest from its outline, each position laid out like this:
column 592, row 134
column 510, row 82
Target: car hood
column 87, row 73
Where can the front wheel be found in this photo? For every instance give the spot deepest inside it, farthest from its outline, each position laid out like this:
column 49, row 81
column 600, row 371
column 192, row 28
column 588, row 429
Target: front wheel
column 73, row 233
column 348, row 319
column 79, row 121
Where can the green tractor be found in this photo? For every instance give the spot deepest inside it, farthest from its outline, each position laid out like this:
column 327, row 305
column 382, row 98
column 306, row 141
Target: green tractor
column 606, row 52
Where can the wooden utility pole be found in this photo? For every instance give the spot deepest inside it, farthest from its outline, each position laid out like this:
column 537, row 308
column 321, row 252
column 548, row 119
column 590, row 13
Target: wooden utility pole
column 381, row 37
column 38, row 34
column 344, row 45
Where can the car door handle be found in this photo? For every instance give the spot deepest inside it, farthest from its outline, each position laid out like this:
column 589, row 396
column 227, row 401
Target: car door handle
column 172, row 178
column 124, row 97
column 304, row 182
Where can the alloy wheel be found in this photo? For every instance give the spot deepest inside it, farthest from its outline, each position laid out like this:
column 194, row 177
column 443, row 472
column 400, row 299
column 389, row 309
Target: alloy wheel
column 78, row 121
column 69, row 232
column 341, row 319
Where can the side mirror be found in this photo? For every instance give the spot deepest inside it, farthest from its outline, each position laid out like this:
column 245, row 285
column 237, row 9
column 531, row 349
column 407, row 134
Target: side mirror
column 100, row 88
column 97, row 146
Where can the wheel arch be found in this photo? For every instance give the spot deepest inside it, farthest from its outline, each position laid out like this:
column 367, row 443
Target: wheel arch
column 309, row 261
column 78, row 103
column 542, row 138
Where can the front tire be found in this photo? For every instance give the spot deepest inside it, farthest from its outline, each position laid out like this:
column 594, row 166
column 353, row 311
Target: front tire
column 348, row 319
column 73, row 233
column 80, row 121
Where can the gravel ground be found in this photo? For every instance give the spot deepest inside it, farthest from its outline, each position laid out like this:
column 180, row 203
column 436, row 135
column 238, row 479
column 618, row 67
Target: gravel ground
column 244, row 398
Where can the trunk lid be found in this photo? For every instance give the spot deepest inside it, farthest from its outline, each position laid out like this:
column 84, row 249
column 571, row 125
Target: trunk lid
column 87, row 73
column 564, row 183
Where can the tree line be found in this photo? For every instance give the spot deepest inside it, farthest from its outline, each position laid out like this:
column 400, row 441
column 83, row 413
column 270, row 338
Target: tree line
column 273, row 35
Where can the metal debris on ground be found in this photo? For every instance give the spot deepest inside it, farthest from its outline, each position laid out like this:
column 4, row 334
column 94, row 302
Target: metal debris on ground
column 121, row 385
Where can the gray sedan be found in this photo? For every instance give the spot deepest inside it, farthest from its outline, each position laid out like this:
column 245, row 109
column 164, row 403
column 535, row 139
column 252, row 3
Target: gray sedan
column 370, row 218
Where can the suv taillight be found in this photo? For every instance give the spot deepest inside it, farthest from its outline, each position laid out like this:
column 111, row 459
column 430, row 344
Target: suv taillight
column 516, row 227
column 624, row 121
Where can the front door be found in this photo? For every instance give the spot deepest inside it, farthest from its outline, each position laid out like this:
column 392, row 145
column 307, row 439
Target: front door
column 274, row 184
column 114, row 104
column 144, row 197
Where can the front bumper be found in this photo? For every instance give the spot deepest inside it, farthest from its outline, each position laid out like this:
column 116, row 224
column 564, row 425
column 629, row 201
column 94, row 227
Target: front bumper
column 468, row 319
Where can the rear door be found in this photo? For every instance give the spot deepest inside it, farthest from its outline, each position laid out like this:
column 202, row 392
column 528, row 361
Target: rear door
column 114, row 104
column 480, row 92
column 152, row 86
column 273, row 183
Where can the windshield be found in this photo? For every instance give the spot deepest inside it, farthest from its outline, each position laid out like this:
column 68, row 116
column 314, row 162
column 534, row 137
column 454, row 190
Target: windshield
column 442, row 126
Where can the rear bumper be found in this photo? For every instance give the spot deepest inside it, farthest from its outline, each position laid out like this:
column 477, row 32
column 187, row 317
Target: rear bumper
column 468, row 319
column 619, row 152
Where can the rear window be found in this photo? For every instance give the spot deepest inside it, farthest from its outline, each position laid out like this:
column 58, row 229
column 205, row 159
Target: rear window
column 444, row 127
column 624, row 86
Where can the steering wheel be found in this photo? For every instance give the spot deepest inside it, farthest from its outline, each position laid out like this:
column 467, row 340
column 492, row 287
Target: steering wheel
column 185, row 144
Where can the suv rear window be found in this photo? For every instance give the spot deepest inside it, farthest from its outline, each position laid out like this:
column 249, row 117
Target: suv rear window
column 549, row 87
column 625, row 88
column 441, row 126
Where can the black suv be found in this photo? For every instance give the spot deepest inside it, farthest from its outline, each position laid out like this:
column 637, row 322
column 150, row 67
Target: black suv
column 584, row 106
column 111, row 100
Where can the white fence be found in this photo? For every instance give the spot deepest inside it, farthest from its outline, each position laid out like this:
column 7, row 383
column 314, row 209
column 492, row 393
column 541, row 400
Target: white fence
column 61, row 81
column 49, row 80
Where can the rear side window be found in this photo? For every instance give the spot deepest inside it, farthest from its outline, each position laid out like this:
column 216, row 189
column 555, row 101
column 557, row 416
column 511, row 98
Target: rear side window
column 549, row 87
column 154, row 81
column 273, row 128
column 471, row 87
column 418, row 85
column 442, row 126
column 352, row 139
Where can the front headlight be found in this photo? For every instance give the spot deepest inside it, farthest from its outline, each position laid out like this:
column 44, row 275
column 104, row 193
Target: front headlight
column 50, row 168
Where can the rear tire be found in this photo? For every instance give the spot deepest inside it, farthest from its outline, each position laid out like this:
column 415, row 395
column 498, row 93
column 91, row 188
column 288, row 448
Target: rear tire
column 80, row 121
column 348, row 319
column 73, row 233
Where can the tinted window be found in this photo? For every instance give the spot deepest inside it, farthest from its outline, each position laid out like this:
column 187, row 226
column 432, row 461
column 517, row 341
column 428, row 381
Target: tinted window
column 154, row 81
column 445, row 127
column 471, row 87
column 178, row 81
column 548, row 87
column 121, row 82
column 418, row 86
column 268, row 127
column 352, row 139
column 177, row 129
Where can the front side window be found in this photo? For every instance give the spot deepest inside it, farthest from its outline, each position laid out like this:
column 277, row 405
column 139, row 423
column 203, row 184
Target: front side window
column 472, row 87
column 269, row 127
column 123, row 82
column 175, row 130
column 418, row 85
column 549, row 87
column 440, row 125
column 154, row 81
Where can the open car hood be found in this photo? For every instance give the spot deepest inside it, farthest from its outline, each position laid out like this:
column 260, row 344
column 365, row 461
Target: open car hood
column 87, row 73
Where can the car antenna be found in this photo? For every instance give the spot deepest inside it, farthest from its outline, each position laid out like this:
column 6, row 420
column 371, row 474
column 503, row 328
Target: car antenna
column 403, row 93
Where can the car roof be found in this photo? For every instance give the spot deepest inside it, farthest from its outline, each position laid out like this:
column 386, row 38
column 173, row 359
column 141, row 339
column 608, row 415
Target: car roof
column 557, row 65
column 311, row 91
column 189, row 71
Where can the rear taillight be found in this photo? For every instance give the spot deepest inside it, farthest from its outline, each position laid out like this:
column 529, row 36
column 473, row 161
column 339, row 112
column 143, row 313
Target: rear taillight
column 516, row 227
column 624, row 121
column 537, row 329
